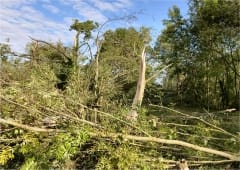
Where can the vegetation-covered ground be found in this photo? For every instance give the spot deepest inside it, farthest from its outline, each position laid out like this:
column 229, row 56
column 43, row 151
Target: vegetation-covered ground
column 113, row 101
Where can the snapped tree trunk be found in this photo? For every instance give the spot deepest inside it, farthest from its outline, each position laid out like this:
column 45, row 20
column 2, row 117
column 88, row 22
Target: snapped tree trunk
column 137, row 101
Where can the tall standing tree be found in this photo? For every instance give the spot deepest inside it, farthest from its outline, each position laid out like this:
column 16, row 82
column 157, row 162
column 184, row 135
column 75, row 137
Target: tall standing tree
column 173, row 47
column 215, row 26
column 204, row 51
column 85, row 29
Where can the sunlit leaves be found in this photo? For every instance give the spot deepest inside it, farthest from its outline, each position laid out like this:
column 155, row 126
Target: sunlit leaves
column 6, row 154
column 84, row 28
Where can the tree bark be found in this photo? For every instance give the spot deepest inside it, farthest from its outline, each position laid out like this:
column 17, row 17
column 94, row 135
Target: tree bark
column 76, row 48
column 34, row 129
column 170, row 142
column 137, row 101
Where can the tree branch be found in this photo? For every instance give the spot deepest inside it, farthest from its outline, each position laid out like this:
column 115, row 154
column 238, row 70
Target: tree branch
column 52, row 46
column 70, row 117
column 194, row 117
column 110, row 115
column 211, row 162
column 157, row 73
column 26, row 127
column 131, row 137
column 169, row 142
column 51, row 110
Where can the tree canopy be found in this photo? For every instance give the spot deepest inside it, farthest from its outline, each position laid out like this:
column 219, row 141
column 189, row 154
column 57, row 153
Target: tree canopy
column 131, row 105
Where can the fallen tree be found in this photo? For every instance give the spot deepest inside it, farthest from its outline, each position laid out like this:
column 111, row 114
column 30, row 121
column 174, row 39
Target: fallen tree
column 132, row 137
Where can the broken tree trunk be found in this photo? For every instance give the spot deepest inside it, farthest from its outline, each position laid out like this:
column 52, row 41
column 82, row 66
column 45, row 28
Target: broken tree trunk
column 137, row 101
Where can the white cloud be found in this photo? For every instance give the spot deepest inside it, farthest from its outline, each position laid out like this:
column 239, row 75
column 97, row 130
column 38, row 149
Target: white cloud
column 51, row 8
column 84, row 9
column 20, row 19
column 12, row 3
column 108, row 6
column 94, row 9
column 123, row 4
column 111, row 5
column 89, row 13
column 24, row 21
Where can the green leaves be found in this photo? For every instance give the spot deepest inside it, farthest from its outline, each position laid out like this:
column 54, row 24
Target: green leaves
column 67, row 144
column 84, row 28
column 48, row 150
column 200, row 49
column 52, row 90
column 121, row 157
column 30, row 163
column 6, row 154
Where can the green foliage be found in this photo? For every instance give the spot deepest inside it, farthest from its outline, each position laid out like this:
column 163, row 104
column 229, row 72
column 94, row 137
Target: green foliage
column 55, row 56
column 70, row 143
column 153, row 94
column 91, row 122
column 201, row 49
column 30, row 164
column 6, row 154
column 51, row 151
column 124, row 156
column 5, row 51
column 119, row 62
column 84, row 28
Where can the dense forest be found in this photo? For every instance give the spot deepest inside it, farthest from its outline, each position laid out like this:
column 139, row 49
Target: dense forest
column 118, row 100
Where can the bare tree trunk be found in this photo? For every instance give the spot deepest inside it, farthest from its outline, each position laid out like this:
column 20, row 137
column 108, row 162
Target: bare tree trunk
column 96, row 88
column 76, row 48
column 137, row 101
column 97, row 91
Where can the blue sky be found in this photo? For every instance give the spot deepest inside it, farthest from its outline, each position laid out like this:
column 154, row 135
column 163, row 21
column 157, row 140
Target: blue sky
column 50, row 19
